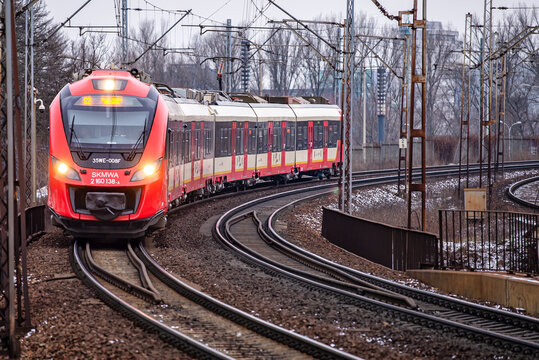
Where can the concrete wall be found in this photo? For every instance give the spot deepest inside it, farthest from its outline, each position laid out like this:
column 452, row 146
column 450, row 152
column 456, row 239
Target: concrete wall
column 508, row 290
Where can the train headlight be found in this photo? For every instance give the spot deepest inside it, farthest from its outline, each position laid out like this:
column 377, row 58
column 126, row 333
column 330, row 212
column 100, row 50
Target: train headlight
column 147, row 170
column 64, row 169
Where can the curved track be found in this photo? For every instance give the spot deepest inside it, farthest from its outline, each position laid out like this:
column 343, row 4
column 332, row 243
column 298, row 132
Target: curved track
column 257, row 242
column 511, row 192
column 189, row 319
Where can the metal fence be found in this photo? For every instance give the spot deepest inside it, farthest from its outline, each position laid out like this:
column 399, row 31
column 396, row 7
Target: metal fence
column 396, row 248
column 489, row 240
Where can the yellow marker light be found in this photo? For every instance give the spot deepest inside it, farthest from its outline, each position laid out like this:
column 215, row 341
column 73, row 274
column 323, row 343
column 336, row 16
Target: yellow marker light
column 109, row 85
column 62, row 168
column 150, row 169
column 87, row 100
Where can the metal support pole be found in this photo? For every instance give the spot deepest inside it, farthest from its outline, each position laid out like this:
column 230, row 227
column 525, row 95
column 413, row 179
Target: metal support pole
column 364, row 94
column 337, row 78
column 346, row 188
column 228, row 68
column 491, row 121
column 464, row 122
column 10, row 173
column 124, row 34
column 403, row 148
column 415, row 132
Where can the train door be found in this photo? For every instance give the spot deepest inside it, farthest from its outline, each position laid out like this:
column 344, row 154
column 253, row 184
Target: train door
column 269, row 146
column 283, row 145
column 310, row 145
column 325, row 142
column 245, row 140
column 233, row 144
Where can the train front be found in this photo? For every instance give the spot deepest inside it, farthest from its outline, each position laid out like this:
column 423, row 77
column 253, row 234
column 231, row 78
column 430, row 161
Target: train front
column 107, row 166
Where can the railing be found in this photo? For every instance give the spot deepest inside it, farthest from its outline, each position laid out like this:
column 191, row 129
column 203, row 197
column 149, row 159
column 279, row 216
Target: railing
column 489, row 240
column 393, row 247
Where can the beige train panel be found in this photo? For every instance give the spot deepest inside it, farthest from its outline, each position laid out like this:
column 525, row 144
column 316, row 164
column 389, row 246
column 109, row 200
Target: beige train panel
column 332, row 154
column 186, row 172
column 276, row 159
column 207, row 168
column 318, row 155
column 196, row 170
column 290, row 158
column 251, row 161
column 262, row 161
column 170, row 179
column 223, row 165
column 312, row 112
column 273, row 112
column 302, row 157
column 233, row 112
column 239, row 163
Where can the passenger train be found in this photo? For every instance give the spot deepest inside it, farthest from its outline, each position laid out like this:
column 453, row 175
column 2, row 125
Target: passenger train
column 123, row 151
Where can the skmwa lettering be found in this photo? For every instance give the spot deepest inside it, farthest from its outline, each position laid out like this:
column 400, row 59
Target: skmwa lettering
column 103, row 174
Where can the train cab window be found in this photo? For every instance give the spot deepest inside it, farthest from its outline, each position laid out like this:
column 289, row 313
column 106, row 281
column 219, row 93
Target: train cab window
column 334, row 133
column 290, row 136
column 302, row 136
column 251, row 133
column 318, row 135
column 239, row 138
column 276, row 141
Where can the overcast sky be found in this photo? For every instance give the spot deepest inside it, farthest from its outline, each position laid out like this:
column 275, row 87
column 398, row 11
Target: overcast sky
column 102, row 12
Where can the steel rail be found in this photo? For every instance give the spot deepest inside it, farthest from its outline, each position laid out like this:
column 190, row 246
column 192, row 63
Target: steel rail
column 515, row 344
column 134, row 289
column 264, row 328
column 511, row 193
column 180, row 340
column 516, row 320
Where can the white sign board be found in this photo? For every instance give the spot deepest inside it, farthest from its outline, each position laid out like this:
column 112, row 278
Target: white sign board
column 403, row 143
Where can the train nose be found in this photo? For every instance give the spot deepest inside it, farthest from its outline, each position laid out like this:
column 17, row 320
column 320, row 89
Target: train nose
column 105, row 206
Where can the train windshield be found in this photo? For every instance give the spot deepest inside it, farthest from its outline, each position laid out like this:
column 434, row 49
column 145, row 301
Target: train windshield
column 107, row 122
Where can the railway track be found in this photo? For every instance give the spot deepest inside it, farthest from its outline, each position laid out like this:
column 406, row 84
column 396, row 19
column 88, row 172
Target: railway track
column 512, row 193
column 248, row 230
column 130, row 281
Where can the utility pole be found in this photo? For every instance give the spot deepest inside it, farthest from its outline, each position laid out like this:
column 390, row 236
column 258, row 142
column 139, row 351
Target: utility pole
column 416, row 132
column 124, row 34
column 228, row 61
column 14, row 301
column 487, row 30
column 465, row 120
column 403, row 129
column 29, row 109
column 337, row 76
column 345, row 193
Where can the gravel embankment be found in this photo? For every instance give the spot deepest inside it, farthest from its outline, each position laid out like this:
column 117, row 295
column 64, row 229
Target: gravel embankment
column 71, row 323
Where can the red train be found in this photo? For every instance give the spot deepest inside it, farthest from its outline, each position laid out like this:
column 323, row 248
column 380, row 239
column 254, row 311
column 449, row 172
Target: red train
column 123, row 151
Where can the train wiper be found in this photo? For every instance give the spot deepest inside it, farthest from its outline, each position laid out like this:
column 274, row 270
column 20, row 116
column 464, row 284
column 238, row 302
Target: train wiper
column 140, row 139
column 81, row 154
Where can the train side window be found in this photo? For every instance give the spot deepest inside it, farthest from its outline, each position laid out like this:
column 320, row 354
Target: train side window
column 208, row 140
column 318, row 136
column 262, row 134
column 197, row 143
column 302, row 136
column 276, row 145
column 239, row 138
column 290, row 136
column 334, row 133
column 251, row 133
